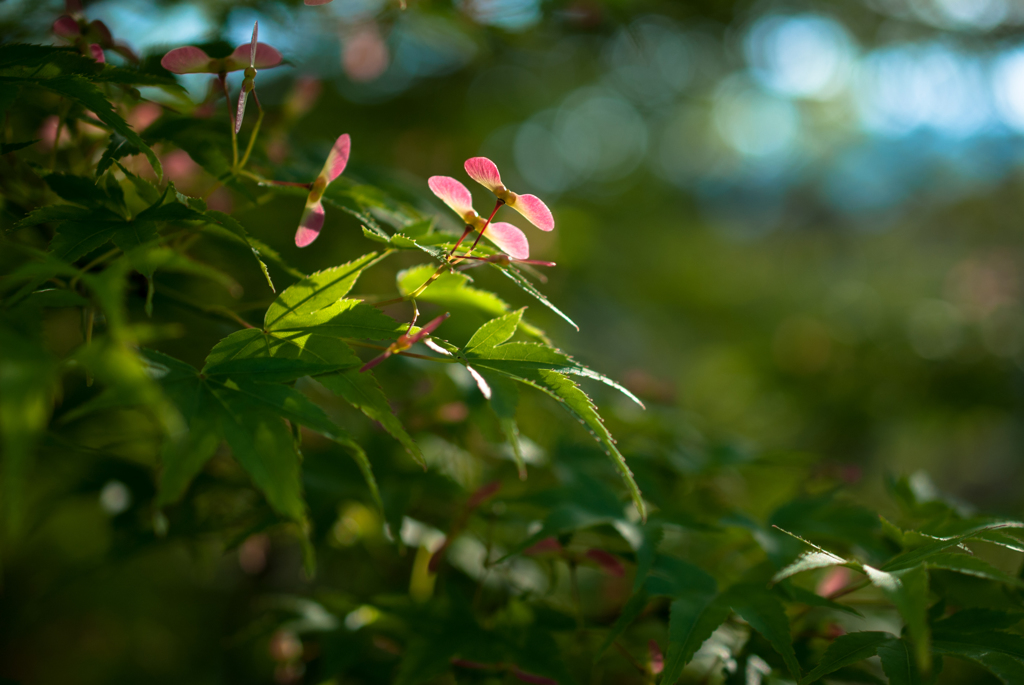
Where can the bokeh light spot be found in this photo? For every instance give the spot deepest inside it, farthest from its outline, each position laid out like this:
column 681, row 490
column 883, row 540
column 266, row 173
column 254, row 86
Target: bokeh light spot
column 805, row 55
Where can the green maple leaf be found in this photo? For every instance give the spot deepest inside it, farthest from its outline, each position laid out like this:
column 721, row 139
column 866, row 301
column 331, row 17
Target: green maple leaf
column 310, row 322
column 547, row 369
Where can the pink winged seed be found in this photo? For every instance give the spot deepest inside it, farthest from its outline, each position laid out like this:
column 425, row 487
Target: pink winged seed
column 97, row 53
column 452, row 193
column 428, row 329
column 310, row 224
column 104, row 33
column 266, row 57
column 337, row 159
column 484, row 172
column 609, row 562
column 509, row 239
column 252, row 45
column 186, row 60
column 656, row 657
column 535, row 211
column 243, row 95
column 66, row 27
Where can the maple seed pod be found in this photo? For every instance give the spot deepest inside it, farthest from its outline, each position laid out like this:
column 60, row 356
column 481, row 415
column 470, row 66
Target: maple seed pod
column 506, row 237
column 312, row 219
column 485, row 172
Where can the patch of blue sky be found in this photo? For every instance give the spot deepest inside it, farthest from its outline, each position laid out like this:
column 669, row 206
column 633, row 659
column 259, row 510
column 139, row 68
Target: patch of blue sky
column 511, row 15
column 146, row 27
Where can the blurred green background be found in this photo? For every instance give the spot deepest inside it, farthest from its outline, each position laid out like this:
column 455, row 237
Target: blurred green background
column 792, row 228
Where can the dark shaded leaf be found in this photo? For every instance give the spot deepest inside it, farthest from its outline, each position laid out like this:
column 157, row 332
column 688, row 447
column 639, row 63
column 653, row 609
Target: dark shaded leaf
column 976, row 621
column 6, row 148
column 91, row 98
column 692, row 619
column 846, row 650
column 899, row 663
column 908, row 591
column 765, row 614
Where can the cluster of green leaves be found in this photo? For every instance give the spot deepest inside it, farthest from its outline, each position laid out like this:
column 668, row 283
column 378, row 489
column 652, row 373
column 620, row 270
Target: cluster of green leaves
column 520, row 585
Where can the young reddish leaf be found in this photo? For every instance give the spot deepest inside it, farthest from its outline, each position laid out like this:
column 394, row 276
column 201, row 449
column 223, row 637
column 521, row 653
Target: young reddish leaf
column 97, row 53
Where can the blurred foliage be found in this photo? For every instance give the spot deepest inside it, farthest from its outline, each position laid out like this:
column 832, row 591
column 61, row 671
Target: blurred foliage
column 822, row 315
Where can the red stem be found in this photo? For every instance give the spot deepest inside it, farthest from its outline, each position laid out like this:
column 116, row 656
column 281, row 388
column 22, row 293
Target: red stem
column 227, row 96
column 293, row 184
column 497, row 206
column 464, row 234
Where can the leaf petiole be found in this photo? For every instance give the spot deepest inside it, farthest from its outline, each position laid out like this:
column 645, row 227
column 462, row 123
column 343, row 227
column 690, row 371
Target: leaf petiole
column 231, row 122
column 371, row 346
column 252, row 138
